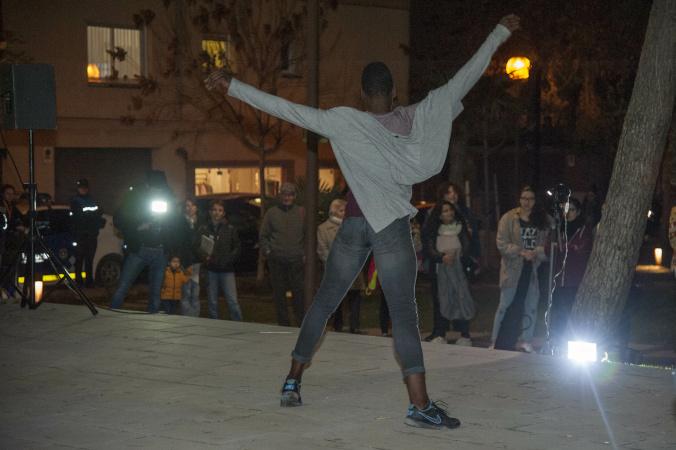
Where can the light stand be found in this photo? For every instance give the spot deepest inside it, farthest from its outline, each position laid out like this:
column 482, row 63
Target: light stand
column 35, row 239
column 559, row 193
column 547, row 348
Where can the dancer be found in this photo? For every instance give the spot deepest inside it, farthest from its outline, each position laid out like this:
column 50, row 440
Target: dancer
column 381, row 153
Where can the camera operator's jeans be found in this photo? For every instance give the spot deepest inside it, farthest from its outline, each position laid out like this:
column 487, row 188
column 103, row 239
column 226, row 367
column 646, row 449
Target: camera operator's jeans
column 156, row 260
column 190, row 296
column 227, row 282
column 397, row 270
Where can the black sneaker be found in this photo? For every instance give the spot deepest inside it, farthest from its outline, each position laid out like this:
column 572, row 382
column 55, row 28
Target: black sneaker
column 431, row 337
column 291, row 394
column 434, row 417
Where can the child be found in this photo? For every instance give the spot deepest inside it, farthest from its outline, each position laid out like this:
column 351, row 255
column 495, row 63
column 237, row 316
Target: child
column 174, row 278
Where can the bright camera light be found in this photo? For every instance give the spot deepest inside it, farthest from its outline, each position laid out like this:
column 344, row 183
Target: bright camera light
column 158, row 206
column 582, row 351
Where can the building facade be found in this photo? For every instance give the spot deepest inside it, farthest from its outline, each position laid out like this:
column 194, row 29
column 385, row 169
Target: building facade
column 96, row 49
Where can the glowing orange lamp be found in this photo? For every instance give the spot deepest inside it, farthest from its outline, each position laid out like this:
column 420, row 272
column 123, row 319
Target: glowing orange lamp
column 92, row 71
column 518, row 68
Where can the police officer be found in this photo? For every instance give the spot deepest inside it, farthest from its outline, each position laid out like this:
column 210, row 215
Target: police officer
column 86, row 221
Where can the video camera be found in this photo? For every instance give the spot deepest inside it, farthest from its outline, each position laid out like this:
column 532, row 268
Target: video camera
column 559, row 194
column 158, row 213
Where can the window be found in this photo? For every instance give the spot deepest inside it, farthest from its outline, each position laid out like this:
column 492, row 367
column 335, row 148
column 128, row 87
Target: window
column 327, row 177
column 114, row 54
column 221, row 53
column 288, row 60
column 226, row 180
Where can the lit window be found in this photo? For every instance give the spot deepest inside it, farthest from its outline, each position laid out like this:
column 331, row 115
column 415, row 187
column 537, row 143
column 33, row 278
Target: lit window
column 231, row 180
column 114, row 54
column 221, row 53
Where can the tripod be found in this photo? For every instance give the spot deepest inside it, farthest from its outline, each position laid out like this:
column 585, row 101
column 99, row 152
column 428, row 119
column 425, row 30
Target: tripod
column 36, row 240
column 559, row 193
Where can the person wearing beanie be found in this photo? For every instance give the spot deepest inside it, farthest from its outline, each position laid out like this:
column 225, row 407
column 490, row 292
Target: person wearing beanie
column 282, row 239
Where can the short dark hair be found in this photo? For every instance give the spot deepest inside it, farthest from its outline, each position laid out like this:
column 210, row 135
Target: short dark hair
column 156, row 179
column 376, row 80
column 4, row 187
column 442, row 190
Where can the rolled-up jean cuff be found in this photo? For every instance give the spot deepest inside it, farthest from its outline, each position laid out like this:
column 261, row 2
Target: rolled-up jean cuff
column 413, row 371
column 300, row 359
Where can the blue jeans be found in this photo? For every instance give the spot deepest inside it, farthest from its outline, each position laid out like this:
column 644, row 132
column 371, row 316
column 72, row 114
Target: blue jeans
column 190, row 296
column 170, row 306
column 156, row 259
column 227, row 282
column 530, row 311
column 397, row 270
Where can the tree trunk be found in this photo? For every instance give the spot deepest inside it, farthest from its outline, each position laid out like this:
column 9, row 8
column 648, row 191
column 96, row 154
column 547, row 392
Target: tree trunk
column 458, row 155
column 606, row 283
column 488, row 243
column 260, row 272
column 668, row 183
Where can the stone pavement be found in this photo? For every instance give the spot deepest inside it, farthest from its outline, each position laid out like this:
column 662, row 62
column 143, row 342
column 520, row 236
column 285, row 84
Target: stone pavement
column 131, row 380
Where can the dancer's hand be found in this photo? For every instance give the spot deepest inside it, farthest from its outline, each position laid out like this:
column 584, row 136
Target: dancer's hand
column 511, row 22
column 218, row 77
column 447, row 259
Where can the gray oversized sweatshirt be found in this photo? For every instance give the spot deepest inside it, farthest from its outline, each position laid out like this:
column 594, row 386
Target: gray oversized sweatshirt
column 380, row 166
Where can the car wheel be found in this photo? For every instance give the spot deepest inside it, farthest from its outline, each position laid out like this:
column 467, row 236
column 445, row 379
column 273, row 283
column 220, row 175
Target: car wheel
column 108, row 271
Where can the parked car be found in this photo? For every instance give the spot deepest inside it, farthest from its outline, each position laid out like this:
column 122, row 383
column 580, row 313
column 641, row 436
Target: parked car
column 53, row 224
column 243, row 212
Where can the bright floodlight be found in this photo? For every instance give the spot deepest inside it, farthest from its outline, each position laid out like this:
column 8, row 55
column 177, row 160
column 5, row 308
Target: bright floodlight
column 582, row 351
column 159, row 206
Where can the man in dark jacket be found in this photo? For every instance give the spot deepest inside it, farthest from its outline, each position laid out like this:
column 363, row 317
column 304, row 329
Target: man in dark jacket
column 86, row 221
column 282, row 238
column 150, row 221
column 220, row 260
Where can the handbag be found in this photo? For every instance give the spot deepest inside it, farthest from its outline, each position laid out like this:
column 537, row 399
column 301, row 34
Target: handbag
column 469, row 266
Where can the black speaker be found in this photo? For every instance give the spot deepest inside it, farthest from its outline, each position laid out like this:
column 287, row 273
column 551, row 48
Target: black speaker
column 28, row 98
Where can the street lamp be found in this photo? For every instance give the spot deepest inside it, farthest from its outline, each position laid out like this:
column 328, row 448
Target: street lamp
column 518, row 68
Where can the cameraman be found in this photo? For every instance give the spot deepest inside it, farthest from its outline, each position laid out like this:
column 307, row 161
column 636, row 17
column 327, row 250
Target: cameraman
column 150, row 221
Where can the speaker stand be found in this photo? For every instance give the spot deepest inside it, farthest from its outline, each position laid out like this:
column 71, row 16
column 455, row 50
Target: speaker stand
column 36, row 239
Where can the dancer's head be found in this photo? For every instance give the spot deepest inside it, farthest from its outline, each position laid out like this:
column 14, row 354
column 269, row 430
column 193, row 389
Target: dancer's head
column 376, row 80
column 377, row 87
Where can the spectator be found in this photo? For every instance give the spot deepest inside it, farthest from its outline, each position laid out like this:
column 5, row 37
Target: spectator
column 591, row 207
column 151, row 224
column 449, row 191
column 326, row 233
column 12, row 236
column 190, row 296
column 220, row 261
column 86, row 221
column 575, row 250
column 521, row 236
column 445, row 241
column 282, row 239
column 174, row 280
